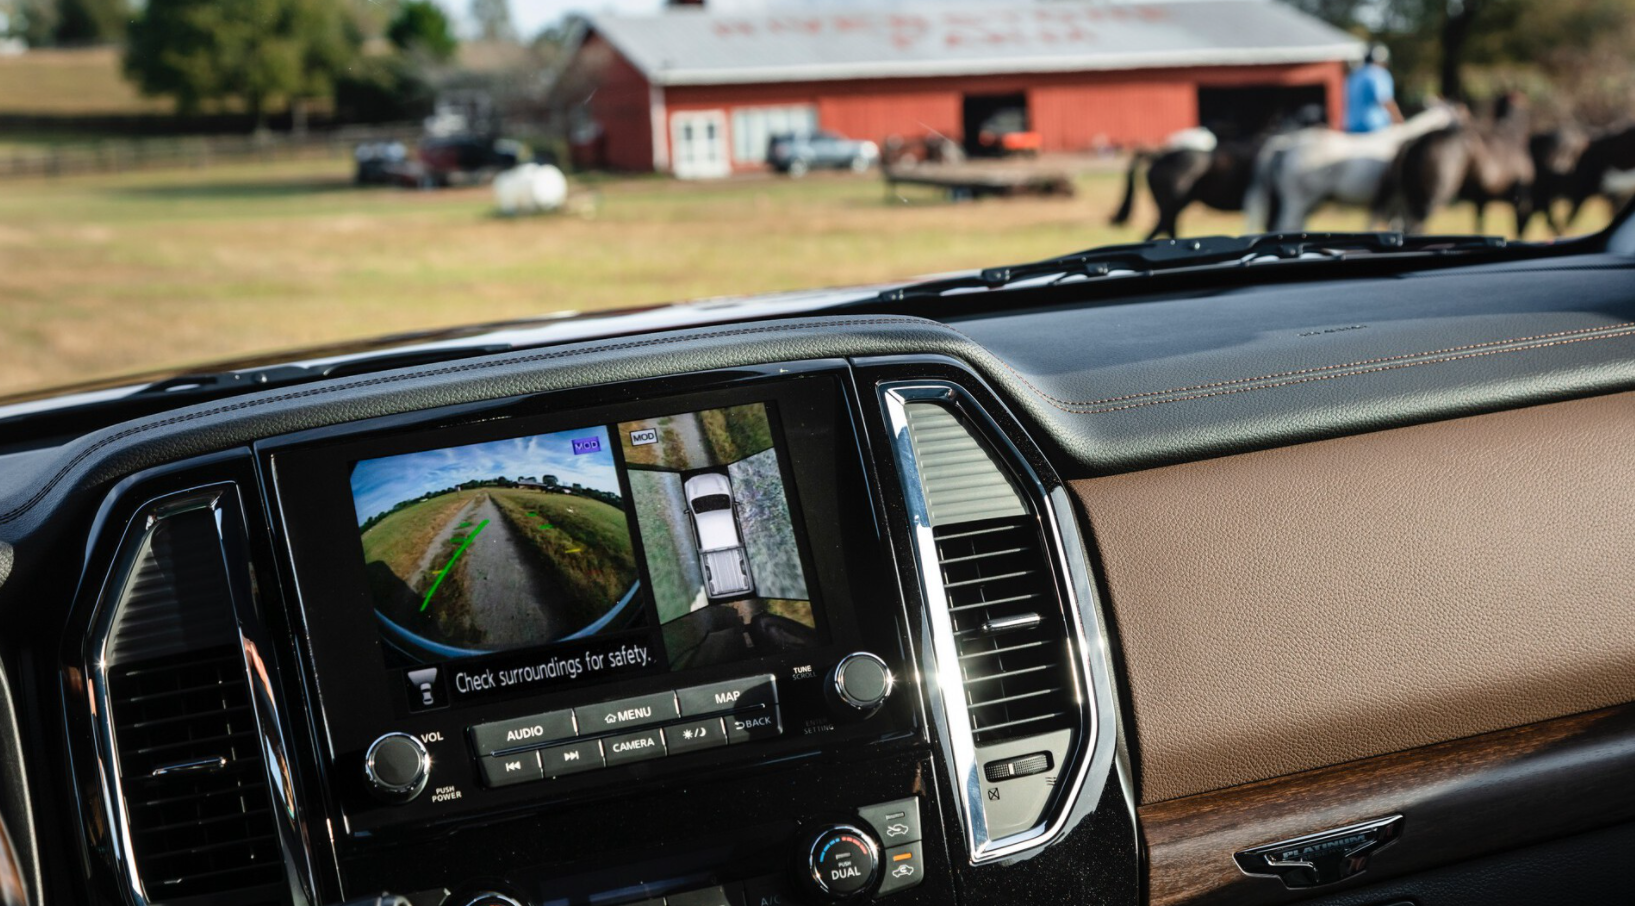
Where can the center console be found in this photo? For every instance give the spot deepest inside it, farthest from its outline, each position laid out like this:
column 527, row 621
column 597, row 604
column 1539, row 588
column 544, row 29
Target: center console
column 559, row 611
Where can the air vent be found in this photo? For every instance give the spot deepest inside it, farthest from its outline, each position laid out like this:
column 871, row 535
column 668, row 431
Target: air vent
column 1009, row 695
column 186, row 749
column 194, row 783
column 1008, row 628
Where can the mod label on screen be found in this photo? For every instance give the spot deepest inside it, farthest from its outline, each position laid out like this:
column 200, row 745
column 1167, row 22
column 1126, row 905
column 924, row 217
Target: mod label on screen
column 584, row 445
column 644, row 437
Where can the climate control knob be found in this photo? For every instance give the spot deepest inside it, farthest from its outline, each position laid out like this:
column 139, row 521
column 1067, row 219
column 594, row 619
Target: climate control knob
column 860, row 684
column 841, row 863
column 397, row 766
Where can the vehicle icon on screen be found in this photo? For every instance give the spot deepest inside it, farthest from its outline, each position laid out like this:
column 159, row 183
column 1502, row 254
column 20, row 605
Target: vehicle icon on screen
column 720, row 543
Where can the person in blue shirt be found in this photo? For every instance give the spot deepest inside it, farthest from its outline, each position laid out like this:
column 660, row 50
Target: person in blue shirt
column 1370, row 94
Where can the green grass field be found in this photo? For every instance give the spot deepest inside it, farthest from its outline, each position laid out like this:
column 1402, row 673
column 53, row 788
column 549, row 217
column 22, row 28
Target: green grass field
column 103, row 275
column 393, row 551
column 583, row 545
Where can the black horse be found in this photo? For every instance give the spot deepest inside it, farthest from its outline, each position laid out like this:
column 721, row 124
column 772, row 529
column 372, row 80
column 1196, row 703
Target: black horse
column 1605, row 156
column 1179, row 177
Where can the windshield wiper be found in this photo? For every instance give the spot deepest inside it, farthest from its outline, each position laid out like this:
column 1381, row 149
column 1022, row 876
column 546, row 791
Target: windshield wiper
column 1208, row 251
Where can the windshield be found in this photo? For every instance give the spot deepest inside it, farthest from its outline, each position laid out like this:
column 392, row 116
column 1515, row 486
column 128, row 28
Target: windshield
column 191, row 182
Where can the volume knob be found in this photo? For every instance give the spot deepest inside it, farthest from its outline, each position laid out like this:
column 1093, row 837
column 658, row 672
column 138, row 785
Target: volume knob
column 397, row 766
column 860, row 684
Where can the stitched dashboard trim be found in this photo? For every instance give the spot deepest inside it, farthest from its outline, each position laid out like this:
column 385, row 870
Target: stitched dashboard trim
column 1342, row 374
column 1318, row 369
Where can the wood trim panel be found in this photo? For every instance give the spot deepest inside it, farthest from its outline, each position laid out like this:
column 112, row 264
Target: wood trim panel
column 1459, row 800
column 12, row 892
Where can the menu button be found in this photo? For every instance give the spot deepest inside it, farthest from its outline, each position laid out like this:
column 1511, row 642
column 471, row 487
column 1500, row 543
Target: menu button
column 627, row 712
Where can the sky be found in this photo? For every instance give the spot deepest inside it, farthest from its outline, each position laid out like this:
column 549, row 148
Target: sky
column 533, row 16
column 380, row 484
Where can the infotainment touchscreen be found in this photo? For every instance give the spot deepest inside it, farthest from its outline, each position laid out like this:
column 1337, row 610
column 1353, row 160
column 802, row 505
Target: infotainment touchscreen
column 521, row 565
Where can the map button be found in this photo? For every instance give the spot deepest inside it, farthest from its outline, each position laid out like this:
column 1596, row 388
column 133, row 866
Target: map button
column 732, row 695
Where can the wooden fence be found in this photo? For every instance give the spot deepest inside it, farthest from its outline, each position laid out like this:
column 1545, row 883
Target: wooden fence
column 118, row 155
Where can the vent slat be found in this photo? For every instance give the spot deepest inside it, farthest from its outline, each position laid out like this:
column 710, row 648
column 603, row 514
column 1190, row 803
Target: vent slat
column 1015, row 698
column 969, row 680
column 1011, row 638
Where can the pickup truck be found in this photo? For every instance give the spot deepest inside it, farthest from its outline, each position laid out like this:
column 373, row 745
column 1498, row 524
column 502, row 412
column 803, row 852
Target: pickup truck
column 720, row 545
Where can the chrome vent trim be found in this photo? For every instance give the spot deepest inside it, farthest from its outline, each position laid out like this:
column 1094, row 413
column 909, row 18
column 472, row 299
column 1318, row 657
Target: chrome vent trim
column 1083, row 779
column 149, row 615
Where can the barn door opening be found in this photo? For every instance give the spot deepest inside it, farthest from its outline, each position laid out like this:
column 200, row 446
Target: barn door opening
column 1245, row 111
column 698, row 144
column 988, row 118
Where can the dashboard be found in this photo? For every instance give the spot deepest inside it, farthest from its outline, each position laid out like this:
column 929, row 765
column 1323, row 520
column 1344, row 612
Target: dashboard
column 1270, row 594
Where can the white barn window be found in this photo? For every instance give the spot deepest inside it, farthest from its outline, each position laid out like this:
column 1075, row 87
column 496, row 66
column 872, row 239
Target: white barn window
column 753, row 127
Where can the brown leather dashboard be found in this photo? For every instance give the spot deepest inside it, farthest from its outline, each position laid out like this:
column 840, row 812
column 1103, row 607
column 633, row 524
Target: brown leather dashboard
column 1289, row 609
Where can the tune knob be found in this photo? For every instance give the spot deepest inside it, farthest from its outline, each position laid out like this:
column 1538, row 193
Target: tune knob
column 397, row 766
column 860, row 684
column 841, row 863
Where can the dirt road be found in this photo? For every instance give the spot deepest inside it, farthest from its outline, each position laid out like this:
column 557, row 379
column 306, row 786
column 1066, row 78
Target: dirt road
column 510, row 602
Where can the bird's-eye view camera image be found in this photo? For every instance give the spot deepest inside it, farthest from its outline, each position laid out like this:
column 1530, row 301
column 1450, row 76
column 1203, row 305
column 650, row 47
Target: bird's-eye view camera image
column 481, row 548
column 720, row 544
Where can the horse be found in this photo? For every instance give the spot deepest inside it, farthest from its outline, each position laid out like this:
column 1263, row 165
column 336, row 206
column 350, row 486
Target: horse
column 1426, row 175
column 1195, row 168
column 1303, row 169
column 1461, row 163
column 1555, row 153
column 1603, row 169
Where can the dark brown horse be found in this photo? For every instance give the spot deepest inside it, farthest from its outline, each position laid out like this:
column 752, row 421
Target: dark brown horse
column 1605, row 159
column 1180, row 177
column 1555, row 153
column 1461, row 162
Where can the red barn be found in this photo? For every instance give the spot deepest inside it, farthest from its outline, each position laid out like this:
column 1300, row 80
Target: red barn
column 698, row 93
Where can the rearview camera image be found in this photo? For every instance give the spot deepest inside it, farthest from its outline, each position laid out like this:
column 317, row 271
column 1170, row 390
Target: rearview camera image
column 482, row 548
column 720, row 544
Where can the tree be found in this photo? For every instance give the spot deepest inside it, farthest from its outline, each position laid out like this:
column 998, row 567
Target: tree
column 493, row 18
column 259, row 52
column 82, row 22
column 421, row 26
column 35, row 21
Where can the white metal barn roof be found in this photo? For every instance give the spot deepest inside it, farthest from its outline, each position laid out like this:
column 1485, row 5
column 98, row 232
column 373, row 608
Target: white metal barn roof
column 690, row 46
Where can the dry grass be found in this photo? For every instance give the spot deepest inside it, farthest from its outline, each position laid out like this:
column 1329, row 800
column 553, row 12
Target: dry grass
column 109, row 274
column 71, row 82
